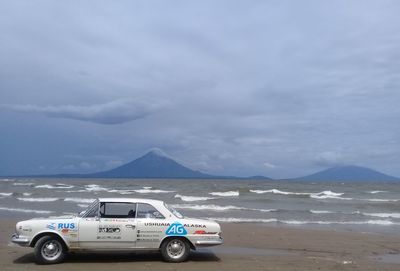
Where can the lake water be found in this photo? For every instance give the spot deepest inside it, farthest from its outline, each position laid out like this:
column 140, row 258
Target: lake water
column 372, row 207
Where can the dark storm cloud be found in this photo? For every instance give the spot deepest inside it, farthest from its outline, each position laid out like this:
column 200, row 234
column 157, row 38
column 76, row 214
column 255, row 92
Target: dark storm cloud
column 279, row 88
column 115, row 112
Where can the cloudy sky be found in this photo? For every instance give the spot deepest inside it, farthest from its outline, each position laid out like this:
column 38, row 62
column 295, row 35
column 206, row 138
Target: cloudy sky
column 279, row 88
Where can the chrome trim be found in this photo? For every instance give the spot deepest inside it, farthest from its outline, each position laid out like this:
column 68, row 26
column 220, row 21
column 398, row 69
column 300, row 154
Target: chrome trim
column 208, row 243
column 19, row 240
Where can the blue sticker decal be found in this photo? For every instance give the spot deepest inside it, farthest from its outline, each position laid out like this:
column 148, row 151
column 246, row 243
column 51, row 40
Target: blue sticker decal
column 176, row 229
column 51, row 226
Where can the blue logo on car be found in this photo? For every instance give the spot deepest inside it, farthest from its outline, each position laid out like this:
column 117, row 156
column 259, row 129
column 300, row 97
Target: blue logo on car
column 176, row 229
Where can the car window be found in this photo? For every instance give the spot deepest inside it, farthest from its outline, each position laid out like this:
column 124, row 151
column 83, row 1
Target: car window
column 148, row 211
column 117, row 210
column 92, row 210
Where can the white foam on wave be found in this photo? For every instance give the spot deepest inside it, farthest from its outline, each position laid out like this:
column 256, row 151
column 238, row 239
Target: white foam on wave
column 148, row 189
column 57, row 186
column 25, row 210
column 300, row 222
column 79, row 200
column 95, row 188
column 23, row 184
column 6, row 180
column 5, row 194
column 26, row 194
column 383, row 215
column 192, row 198
column 225, row 194
column 38, row 199
column 217, row 208
column 382, row 200
column 83, row 205
column 320, row 195
column 377, row 191
column 242, row 220
column 321, row 212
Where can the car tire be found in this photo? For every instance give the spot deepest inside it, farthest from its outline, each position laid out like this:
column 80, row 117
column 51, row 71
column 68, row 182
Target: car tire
column 175, row 250
column 49, row 250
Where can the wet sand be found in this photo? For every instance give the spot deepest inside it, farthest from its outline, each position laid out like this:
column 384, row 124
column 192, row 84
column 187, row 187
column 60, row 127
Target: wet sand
column 247, row 247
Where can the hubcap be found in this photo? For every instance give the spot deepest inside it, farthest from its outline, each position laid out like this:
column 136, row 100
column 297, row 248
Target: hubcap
column 51, row 250
column 176, row 248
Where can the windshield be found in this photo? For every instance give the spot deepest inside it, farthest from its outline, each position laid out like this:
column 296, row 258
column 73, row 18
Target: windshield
column 91, row 206
column 172, row 210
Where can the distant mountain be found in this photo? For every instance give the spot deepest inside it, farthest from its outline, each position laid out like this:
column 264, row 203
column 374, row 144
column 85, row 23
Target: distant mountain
column 154, row 164
column 348, row 173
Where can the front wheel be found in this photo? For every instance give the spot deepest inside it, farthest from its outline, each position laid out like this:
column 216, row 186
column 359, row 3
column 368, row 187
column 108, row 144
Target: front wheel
column 175, row 250
column 49, row 250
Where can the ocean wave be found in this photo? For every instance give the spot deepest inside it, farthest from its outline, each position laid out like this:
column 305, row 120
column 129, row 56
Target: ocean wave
column 320, row 195
column 377, row 191
column 23, row 184
column 148, row 189
column 57, row 186
column 321, row 212
column 242, row 220
column 38, row 199
column 192, row 198
column 25, row 210
column 218, row 208
column 5, row 194
column 79, row 200
column 6, row 180
column 225, row 194
column 302, row 222
column 83, row 205
column 95, row 188
column 383, row 215
column 121, row 192
column 382, row 200
column 27, row 194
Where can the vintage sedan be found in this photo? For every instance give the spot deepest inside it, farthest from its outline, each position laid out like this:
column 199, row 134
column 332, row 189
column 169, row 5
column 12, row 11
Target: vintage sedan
column 118, row 224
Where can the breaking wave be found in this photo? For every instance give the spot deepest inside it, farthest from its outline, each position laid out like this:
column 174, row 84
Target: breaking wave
column 38, row 199
column 25, row 210
column 383, row 215
column 377, row 191
column 57, row 186
column 321, row 195
column 302, row 222
column 148, row 189
column 95, row 188
column 225, row 194
column 79, row 200
column 23, row 184
column 192, row 198
column 5, row 194
column 218, row 208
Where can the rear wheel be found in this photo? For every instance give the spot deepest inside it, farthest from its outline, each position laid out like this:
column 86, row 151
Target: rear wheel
column 175, row 250
column 49, row 250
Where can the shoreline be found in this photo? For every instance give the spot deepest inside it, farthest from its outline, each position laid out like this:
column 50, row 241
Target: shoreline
column 247, row 246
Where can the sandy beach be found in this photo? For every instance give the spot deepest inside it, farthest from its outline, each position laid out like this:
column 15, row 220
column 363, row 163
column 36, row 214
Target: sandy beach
column 247, row 246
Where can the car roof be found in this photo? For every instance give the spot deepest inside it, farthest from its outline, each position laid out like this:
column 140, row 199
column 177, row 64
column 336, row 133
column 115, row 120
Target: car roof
column 134, row 200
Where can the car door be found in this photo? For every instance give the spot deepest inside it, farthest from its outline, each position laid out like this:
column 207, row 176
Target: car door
column 113, row 228
column 151, row 226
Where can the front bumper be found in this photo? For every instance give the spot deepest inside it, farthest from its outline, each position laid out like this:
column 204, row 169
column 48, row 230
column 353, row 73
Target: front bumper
column 208, row 243
column 20, row 240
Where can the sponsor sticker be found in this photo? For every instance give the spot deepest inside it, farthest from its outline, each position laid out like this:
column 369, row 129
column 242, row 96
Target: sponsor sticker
column 176, row 229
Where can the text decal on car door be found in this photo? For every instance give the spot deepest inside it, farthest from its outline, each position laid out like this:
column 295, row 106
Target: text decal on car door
column 176, row 229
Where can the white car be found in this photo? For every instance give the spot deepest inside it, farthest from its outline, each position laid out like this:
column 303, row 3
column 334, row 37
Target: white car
column 118, row 224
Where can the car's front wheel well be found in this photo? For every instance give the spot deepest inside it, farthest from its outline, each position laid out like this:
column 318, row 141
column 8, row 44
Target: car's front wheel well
column 56, row 236
column 178, row 237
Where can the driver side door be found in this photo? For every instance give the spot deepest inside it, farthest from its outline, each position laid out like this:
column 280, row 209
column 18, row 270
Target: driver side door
column 113, row 228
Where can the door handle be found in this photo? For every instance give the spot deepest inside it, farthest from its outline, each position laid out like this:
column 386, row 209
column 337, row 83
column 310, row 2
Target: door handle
column 130, row 226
